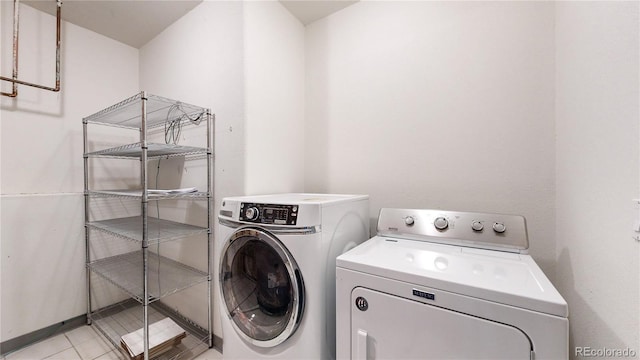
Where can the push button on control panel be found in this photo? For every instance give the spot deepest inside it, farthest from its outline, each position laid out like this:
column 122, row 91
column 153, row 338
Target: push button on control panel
column 251, row 213
column 441, row 223
column 499, row 227
column 477, row 226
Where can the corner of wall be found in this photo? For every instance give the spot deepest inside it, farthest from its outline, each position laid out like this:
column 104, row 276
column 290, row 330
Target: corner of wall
column 274, row 99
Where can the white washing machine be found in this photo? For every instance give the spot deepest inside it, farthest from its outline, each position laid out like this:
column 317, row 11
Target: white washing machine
column 447, row 285
column 277, row 271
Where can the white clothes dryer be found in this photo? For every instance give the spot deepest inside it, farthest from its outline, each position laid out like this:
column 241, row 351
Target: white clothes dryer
column 447, row 285
column 277, row 271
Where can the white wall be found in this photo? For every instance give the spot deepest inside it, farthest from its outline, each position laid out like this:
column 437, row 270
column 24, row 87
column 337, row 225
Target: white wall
column 274, row 99
column 199, row 59
column 246, row 62
column 41, row 201
column 516, row 107
column 445, row 105
column 597, row 112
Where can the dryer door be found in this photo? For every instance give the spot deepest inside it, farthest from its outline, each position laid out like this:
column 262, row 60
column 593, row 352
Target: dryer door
column 385, row 326
column 261, row 286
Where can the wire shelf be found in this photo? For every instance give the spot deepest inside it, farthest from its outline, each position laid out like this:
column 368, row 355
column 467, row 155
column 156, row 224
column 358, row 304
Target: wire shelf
column 137, row 194
column 122, row 318
column 158, row 230
column 128, row 113
column 154, row 150
column 164, row 276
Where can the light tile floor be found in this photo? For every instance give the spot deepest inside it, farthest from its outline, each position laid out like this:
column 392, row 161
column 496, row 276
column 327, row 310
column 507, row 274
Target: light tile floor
column 82, row 343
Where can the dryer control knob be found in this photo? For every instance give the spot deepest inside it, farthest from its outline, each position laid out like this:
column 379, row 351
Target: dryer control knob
column 251, row 213
column 441, row 223
column 477, row 226
column 409, row 220
column 499, row 227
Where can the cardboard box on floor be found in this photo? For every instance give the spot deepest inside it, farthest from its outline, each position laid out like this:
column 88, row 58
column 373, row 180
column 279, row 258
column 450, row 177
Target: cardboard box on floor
column 163, row 336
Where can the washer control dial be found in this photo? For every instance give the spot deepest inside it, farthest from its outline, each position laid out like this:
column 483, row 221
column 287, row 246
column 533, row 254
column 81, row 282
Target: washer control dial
column 441, row 223
column 477, row 226
column 409, row 220
column 499, row 227
column 251, row 213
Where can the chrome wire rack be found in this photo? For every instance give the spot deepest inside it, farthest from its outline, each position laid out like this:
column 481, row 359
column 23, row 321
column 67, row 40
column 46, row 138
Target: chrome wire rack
column 147, row 278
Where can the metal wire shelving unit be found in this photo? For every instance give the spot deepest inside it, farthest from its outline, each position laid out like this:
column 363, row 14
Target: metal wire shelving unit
column 143, row 275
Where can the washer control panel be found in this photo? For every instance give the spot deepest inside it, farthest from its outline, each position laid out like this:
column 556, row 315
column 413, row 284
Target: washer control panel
column 276, row 214
column 479, row 230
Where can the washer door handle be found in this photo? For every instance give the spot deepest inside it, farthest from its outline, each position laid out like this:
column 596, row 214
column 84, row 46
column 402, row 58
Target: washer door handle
column 361, row 345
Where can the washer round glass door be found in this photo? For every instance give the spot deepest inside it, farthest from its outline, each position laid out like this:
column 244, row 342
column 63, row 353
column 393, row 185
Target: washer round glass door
column 261, row 286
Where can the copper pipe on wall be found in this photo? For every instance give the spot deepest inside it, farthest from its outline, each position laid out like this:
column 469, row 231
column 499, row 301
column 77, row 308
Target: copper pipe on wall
column 14, row 74
column 14, row 78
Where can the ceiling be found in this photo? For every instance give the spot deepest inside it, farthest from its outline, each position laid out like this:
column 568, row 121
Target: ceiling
column 136, row 22
column 133, row 22
column 308, row 11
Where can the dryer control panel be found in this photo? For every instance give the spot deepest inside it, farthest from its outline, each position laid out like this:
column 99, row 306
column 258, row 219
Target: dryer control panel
column 276, row 214
column 470, row 229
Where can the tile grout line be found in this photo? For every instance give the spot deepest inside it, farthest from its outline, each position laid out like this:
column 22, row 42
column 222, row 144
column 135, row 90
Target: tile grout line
column 109, row 350
column 41, row 343
column 95, row 338
column 63, row 350
column 73, row 346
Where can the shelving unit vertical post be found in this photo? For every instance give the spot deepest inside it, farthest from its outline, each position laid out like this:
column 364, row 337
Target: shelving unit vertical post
column 210, row 189
column 145, row 225
column 85, row 150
